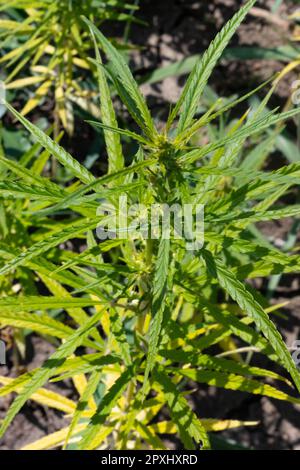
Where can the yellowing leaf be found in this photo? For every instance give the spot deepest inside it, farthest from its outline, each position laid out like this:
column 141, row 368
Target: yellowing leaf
column 55, row 439
column 40, row 93
column 210, row 425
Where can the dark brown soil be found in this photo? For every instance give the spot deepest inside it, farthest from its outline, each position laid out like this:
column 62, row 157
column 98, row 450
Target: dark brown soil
column 34, row 421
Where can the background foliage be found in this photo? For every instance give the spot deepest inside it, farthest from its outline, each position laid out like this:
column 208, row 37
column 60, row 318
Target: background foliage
column 138, row 324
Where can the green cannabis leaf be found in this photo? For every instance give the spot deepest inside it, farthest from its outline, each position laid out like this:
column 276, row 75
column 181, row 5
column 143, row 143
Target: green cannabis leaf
column 138, row 318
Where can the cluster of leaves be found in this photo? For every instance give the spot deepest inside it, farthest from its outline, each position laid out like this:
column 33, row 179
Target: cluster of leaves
column 287, row 53
column 46, row 40
column 154, row 315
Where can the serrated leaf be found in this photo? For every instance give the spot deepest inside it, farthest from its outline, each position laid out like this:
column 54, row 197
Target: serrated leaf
column 44, row 397
column 44, row 245
column 112, row 140
column 40, row 323
column 236, row 382
column 82, row 404
column 158, row 303
column 216, row 363
column 40, row 377
column 188, row 425
column 43, row 183
column 74, row 197
column 29, row 303
column 210, row 425
column 103, row 411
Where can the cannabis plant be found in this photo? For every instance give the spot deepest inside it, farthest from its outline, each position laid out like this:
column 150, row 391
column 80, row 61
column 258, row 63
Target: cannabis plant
column 141, row 320
column 47, row 41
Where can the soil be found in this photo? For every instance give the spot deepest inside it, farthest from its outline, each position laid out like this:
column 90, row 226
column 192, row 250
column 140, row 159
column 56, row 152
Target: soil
column 177, row 29
column 181, row 28
column 34, row 421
